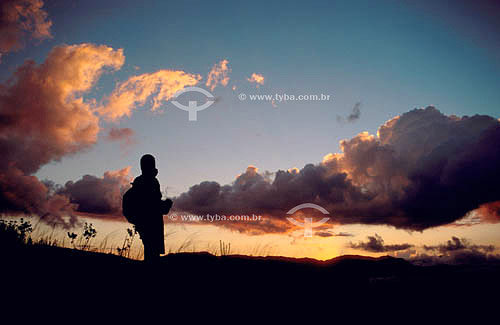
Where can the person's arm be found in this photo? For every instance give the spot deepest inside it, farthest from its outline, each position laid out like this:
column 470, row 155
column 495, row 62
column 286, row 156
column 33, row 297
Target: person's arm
column 166, row 204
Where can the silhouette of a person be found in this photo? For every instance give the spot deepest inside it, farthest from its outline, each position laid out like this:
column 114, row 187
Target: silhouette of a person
column 150, row 218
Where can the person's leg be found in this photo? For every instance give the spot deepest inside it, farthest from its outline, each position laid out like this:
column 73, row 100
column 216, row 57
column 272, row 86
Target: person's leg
column 150, row 253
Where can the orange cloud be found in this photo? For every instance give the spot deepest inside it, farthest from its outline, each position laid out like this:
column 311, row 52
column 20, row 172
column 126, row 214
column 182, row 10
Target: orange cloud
column 159, row 86
column 256, row 78
column 19, row 18
column 218, row 74
column 489, row 212
column 45, row 114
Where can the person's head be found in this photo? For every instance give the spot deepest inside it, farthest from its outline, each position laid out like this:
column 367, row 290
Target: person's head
column 148, row 167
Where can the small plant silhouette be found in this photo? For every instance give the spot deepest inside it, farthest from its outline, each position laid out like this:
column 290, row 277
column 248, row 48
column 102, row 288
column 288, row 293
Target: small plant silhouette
column 225, row 249
column 89, row 232
column 127, row 242
column 15, row 232
column 72, row 236
column 21, row 232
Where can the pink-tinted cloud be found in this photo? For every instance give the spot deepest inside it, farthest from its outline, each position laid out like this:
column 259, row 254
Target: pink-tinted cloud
column 20, row 18
column 43, row 117
column 159, row 87
column 124, row 135
column 99, row 195
column 218, row 75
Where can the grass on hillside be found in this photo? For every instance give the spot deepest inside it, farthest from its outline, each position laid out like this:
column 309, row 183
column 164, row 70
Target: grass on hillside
column 22, row 232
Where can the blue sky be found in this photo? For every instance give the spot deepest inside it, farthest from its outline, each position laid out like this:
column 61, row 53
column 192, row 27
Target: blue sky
column 391, row 57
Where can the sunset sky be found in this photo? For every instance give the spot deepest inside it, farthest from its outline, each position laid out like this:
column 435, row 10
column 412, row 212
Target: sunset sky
column 396, row 155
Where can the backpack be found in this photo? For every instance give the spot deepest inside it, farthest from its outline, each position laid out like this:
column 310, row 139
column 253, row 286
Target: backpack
column 130, row 205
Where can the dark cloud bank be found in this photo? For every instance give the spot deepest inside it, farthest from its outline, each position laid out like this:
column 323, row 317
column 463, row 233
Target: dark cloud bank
column 454, row 251
column 423, row 169
column 457, row 251
column 375, row 244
